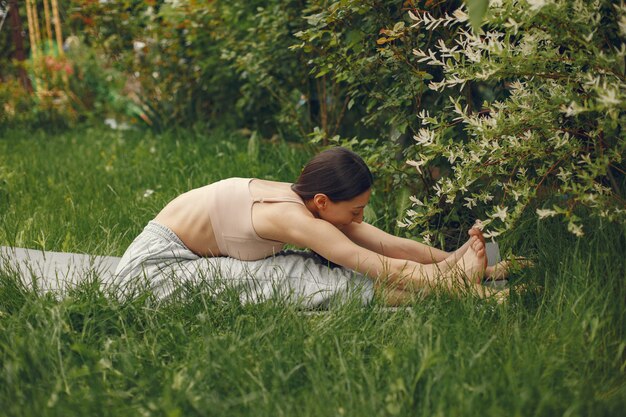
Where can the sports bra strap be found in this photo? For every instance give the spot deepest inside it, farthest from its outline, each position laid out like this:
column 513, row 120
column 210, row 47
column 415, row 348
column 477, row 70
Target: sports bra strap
column 278, row 200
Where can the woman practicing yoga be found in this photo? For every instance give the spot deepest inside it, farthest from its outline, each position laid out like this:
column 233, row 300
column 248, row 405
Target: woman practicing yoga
column 252, row 219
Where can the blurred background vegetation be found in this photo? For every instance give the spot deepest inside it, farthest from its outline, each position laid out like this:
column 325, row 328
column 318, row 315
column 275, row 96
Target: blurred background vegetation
column 296, row 70
column 280, row 66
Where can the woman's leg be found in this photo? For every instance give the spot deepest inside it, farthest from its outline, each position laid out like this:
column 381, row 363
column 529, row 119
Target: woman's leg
column 466, row 277
column 467, row 273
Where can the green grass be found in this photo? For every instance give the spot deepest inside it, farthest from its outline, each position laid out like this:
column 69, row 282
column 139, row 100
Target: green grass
column 86, row 191
column 556, row 349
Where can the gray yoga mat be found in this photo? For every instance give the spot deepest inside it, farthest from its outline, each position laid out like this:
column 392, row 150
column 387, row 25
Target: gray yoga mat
column 55, row 271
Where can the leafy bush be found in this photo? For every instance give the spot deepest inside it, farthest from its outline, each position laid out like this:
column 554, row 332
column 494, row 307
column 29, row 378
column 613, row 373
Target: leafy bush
column 272, row 84
column 359, row 52
column 551, row 139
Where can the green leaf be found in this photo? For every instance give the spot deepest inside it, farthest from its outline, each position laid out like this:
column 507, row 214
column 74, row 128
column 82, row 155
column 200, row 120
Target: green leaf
column 253, row 146
column 476, row 10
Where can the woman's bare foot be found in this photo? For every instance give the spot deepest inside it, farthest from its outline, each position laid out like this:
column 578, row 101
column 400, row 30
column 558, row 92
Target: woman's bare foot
column 474, row 233
column 474, row 262
column 458, row 254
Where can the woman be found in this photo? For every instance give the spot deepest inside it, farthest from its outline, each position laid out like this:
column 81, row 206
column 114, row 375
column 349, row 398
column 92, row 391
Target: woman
column 252, row 219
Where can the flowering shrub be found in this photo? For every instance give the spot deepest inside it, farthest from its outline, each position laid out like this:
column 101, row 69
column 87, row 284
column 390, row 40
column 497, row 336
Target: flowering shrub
column 551, row 138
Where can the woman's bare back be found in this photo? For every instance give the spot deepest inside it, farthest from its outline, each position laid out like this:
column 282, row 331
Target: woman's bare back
column 189, row 216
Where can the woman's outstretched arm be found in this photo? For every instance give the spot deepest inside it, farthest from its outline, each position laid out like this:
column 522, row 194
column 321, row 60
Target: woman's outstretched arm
column 405, row 274
column 384, row 243
column 371, row 237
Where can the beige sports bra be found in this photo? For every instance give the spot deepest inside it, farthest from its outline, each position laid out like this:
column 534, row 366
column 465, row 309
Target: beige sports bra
column 230, row 211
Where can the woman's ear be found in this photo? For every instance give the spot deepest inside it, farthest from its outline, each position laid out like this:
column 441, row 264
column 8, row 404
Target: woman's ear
column 321, row 201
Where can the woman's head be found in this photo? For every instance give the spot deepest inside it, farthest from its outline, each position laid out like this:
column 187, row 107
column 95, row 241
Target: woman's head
column 338, row 173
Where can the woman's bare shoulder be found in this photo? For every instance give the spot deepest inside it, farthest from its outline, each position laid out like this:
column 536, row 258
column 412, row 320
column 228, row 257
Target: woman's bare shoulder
column 267, row 188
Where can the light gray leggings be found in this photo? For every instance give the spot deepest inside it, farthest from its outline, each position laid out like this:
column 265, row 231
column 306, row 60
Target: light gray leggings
column 158, row 259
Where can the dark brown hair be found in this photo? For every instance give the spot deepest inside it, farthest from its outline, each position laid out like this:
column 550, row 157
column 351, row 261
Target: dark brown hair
column 337, row 172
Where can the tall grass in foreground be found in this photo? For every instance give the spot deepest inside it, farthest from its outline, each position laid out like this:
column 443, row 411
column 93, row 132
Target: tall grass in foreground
column 556, row 349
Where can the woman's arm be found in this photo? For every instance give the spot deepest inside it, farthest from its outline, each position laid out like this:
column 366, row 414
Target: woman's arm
column 328, row 241
column 374, row 239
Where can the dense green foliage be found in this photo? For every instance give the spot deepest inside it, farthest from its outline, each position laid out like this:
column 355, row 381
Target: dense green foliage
column 537, row 93
column 553, row 129
column 556, row 349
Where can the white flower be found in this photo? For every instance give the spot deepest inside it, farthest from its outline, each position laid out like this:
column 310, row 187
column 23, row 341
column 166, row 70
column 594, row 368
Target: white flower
column 416, row 201
column 536, row 4
column 601, row 189
column 573, row 109
column 575, row 229
column 501, row 213
column 585, row 159
column 438, row 189
column 112, row 123
column 561, row 141
column 138, row 46
column 148, row 193
column 493, row 234
column 543, row 213
column 419, row 53
column 423, row 114
column 452, row 156
column 424, row 137
column 460, row 15
column 417, row 165
column 609, row 97
column 471, row 202
column 403, row 225
column 174, row 3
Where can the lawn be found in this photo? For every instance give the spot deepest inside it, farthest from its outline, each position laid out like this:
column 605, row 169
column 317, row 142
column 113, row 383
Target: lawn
column 557, row 348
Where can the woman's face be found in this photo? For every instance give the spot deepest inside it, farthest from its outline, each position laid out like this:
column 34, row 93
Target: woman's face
column 342, row 213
